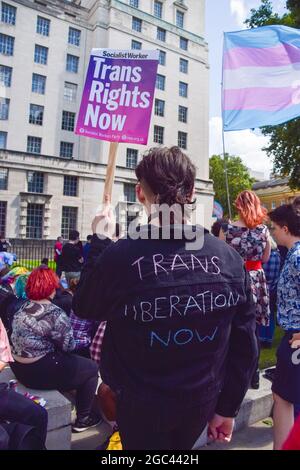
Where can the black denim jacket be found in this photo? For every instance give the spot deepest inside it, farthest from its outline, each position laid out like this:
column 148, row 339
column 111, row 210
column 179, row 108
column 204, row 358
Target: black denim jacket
column 181, row 322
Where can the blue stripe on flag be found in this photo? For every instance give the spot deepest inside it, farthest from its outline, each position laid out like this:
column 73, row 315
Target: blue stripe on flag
column 265, row 36
column 236, row 120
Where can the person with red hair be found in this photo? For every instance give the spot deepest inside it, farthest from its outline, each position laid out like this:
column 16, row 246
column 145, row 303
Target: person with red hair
column 251, row 238
column 42, row 344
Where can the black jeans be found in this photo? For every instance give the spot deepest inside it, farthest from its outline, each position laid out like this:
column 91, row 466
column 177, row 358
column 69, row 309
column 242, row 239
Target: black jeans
column 19, row 410
column 142, row 429
column 65, row 372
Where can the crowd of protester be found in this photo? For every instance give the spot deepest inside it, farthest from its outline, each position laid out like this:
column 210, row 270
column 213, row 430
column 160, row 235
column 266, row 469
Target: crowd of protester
column 154, row 336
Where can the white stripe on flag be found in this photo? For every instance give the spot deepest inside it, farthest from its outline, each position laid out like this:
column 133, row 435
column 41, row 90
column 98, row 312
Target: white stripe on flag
column 262, row 77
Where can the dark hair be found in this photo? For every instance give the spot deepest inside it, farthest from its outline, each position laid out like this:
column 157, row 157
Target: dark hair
column 59, row 237
column 216, row 227
column 169, row 173
column 288, row 215
column 45, row 260
column 73, row 235
column 89, row 237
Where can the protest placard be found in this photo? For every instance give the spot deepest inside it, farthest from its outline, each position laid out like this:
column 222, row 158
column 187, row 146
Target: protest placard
column 118, row 94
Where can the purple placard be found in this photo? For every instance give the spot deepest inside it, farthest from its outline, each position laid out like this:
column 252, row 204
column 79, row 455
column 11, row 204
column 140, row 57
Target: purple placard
column 117, row 99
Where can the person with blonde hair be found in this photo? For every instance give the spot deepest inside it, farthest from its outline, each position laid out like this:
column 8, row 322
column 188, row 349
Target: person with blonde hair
column 250, row 237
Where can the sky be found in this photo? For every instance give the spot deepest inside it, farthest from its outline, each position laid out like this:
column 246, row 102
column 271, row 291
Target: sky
column 223, row 16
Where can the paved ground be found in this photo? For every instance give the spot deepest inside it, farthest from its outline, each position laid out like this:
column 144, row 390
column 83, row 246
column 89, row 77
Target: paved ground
column 256, row 437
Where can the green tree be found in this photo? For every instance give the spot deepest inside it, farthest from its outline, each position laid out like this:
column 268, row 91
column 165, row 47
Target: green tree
column 239, row 179
column 284, row 145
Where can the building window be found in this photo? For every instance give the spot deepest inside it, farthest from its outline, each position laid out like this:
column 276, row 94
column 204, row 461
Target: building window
column 5, row 75
column 72, row 63
column 68, row 221
column 70, row 91
column 3, row 140
column 74, row 36
column 8, row 13
column 159, row 108
column 161, row 34
column 4, row 109
column 134, row 3
column 136, row 24
column 158, row 135
column 129, row 192
column 182, row 114
column 183, row 89
column 35, row 182
column 273, row 206
column 136, row 44
column 40, row 54
column 282, row 203
column 158, row 8
column 182, row 140
column 35, row 221
column 183, row 44
column 3, row 178
column 68, row 121
column 70, row 185
column 160, row 82
column 179, row 19
column 6, row 44
column 162, row 58
column 3, row 209
column 38, row 83
column 43, row 26
column 36, row 114
column 34, row 144
column 131, row 158
column 183, row 65
column 66, row 150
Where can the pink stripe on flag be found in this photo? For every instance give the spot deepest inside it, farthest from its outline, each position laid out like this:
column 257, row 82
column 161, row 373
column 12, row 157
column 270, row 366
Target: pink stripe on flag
column 283, row 54
column 261, row 99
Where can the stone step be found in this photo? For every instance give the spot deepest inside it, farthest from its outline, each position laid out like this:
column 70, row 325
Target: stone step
column 59, row 413
column 256, row 406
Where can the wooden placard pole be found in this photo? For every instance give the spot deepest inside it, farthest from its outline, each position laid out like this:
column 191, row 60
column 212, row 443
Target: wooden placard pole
column 110, row 171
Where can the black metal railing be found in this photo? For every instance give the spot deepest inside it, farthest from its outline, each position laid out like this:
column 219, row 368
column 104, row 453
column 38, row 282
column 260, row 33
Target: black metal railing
column 30, row 252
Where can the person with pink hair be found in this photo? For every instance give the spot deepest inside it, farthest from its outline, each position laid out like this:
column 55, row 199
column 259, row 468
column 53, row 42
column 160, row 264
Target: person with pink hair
column 250, row 237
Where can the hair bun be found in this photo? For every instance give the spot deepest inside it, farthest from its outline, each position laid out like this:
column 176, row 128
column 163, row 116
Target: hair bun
column 296, row 206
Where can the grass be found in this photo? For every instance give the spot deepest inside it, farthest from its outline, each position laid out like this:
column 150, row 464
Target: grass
column 268, row 356
column 31, row 264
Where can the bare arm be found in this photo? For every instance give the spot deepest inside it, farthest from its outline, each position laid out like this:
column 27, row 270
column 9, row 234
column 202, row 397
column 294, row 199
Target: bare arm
column 267, row 252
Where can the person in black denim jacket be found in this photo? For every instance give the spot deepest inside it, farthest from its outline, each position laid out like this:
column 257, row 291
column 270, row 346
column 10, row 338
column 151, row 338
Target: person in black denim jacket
column 179, row 348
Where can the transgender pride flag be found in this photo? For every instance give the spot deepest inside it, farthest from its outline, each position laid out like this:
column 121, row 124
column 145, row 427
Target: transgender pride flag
column 261, row 77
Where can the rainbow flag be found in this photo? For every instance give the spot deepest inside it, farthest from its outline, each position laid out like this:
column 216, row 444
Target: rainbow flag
column 261, row 77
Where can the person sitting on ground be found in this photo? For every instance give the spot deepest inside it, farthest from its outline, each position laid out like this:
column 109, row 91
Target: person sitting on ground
column 83, row 330
column 179, row 347
column 64, row 296
column 12, row 295
column 42, row 344
column 45, row 262
column 23, row 423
